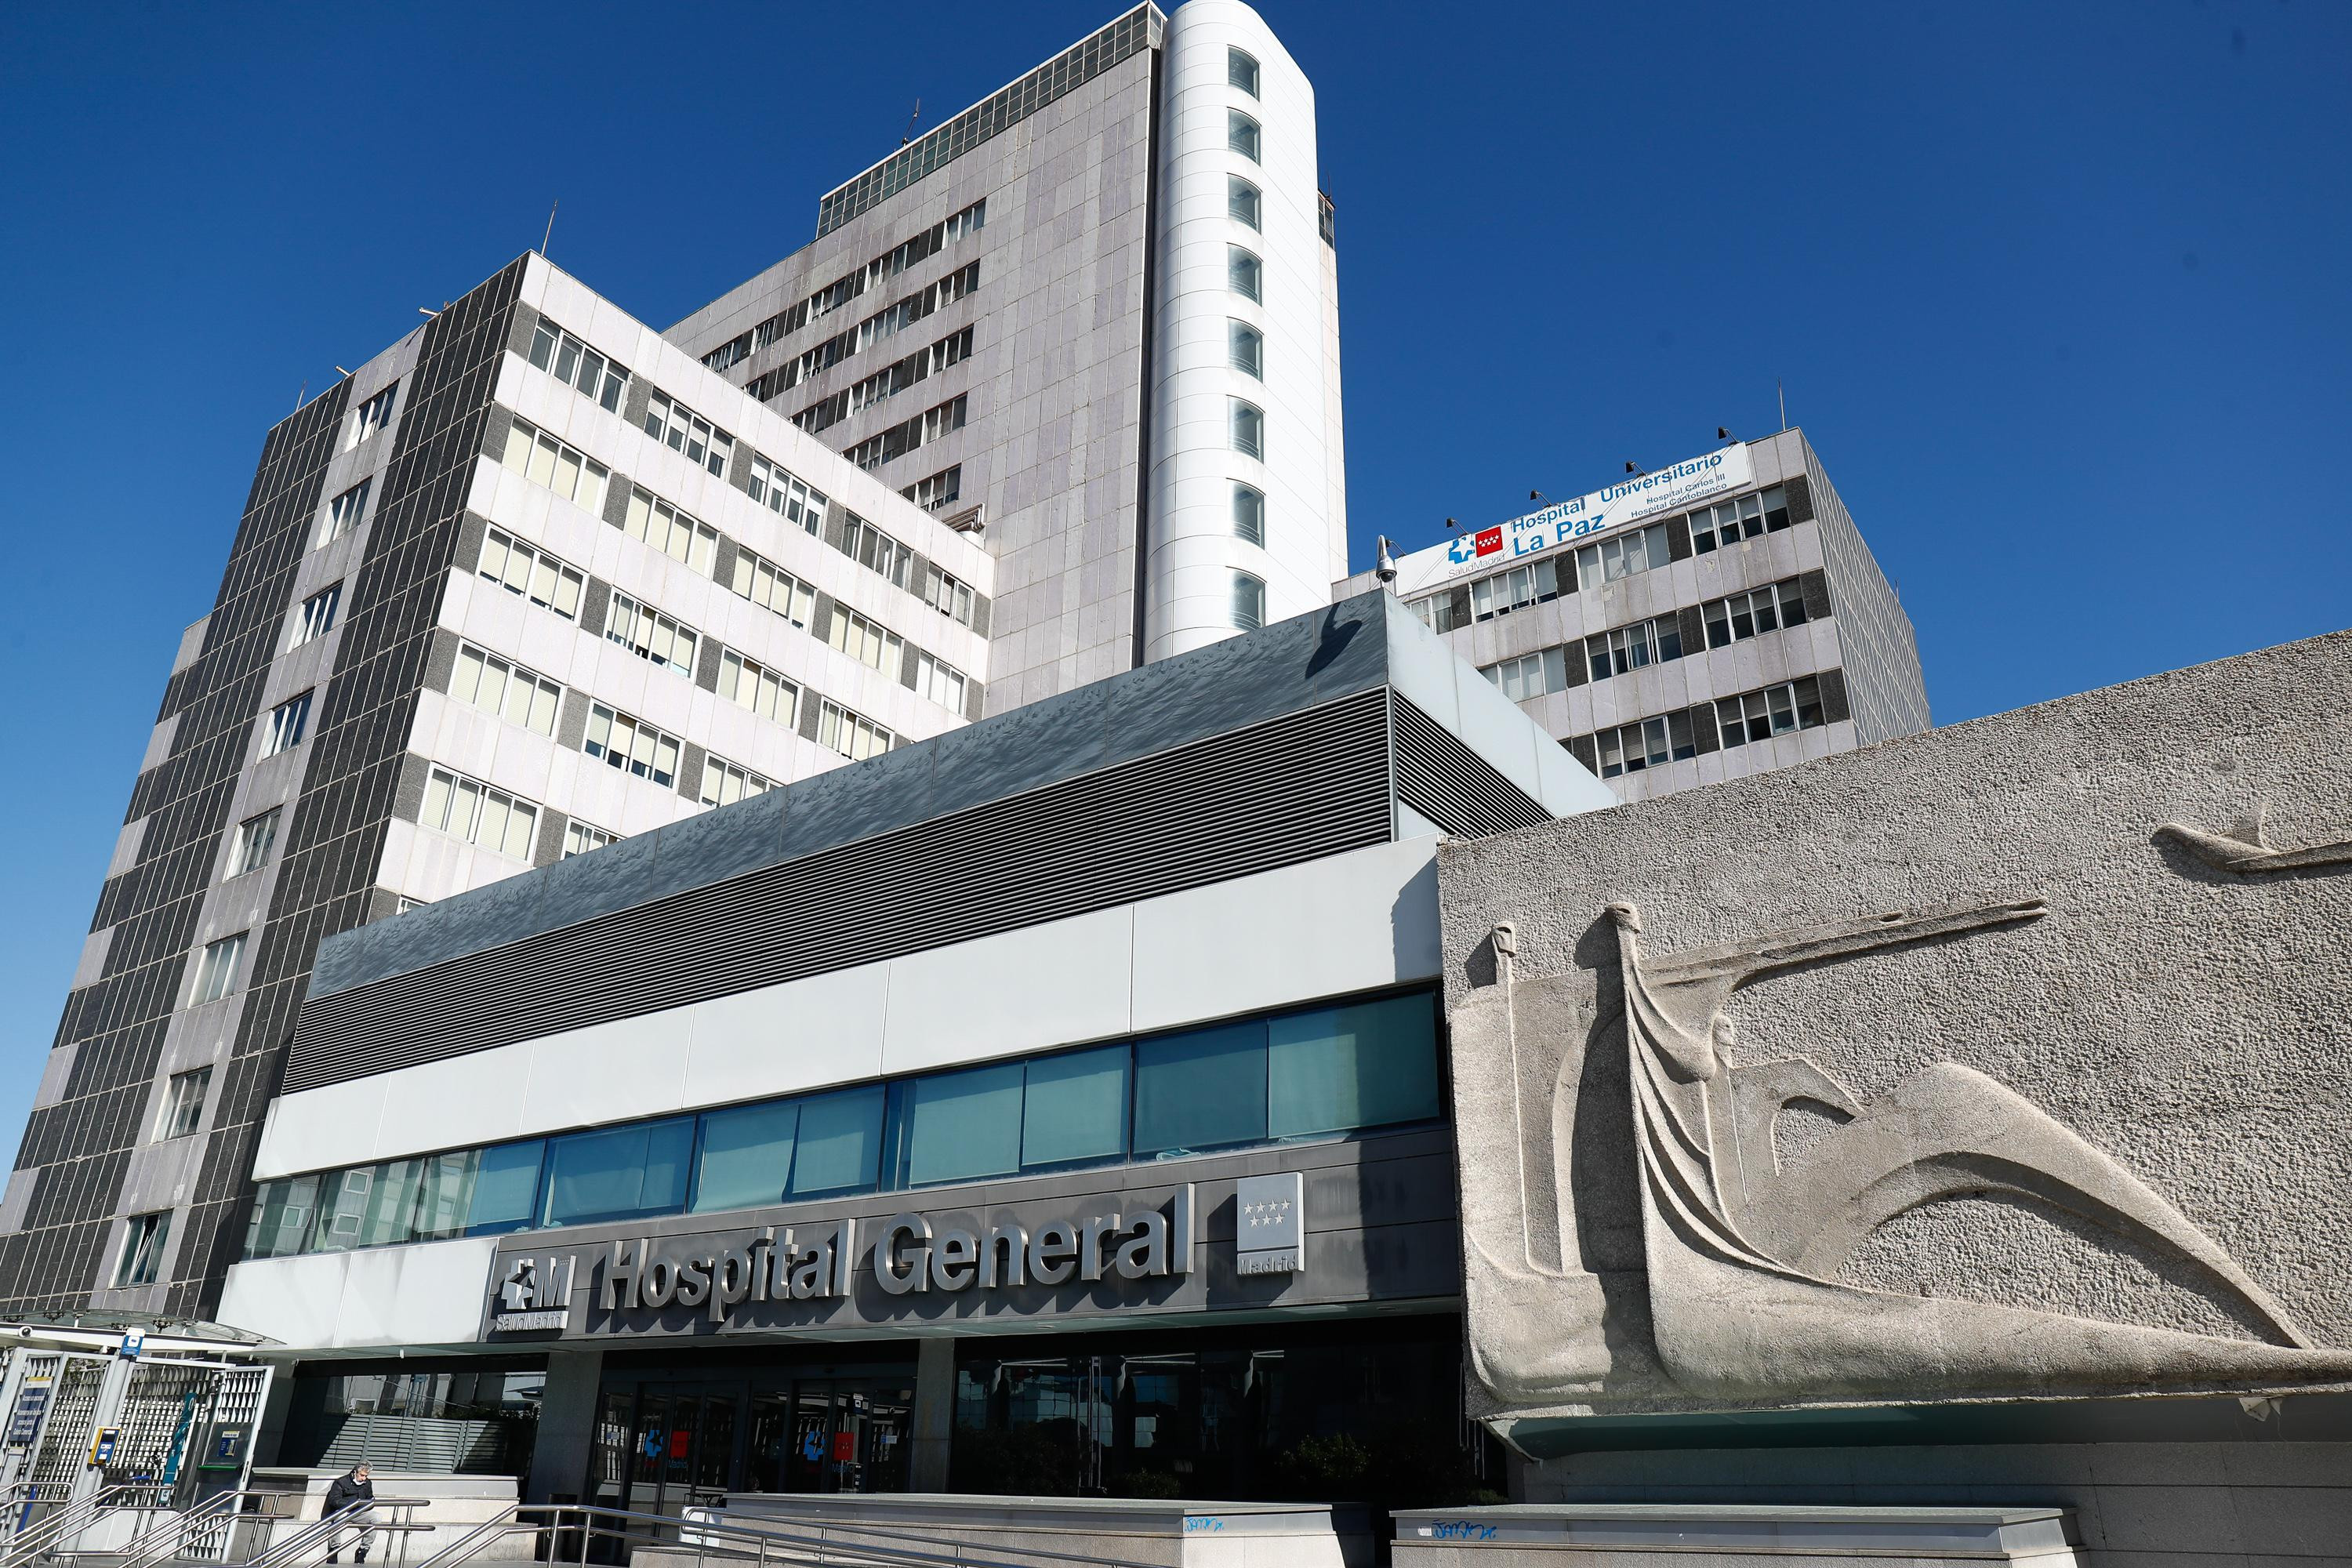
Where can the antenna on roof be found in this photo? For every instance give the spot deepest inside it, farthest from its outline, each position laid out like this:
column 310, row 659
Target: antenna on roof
column 1783, row 393
column 550, row 228
column 910, row 135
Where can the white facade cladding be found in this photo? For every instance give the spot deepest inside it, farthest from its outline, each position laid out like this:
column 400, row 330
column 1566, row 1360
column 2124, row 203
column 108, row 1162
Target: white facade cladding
column 1246, row 521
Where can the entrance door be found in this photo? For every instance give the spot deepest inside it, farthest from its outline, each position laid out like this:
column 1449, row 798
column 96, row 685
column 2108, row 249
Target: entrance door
column 847, row 1435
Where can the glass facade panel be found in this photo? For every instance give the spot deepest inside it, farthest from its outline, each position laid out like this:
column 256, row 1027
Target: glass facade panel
column 1365, row 1066
column 1075, row 1108
column 840, row 1142
column 619, row 1174
column 747, row 1156
column 955, row 1127
column 505, row 1186
column 1201, row 1090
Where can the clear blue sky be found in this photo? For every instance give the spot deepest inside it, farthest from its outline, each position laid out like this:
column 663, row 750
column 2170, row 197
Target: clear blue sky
column 2060, row 292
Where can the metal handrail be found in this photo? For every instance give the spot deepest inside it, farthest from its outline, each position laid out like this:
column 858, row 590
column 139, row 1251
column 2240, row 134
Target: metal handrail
column 329, row 1526
column 36, row 1539
column 162, row 1542
column 777, row 1546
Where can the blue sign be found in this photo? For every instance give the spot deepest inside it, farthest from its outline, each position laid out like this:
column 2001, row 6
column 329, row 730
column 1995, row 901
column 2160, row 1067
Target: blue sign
column 134, row 1341
column 25, row 1425
column 812, row 1446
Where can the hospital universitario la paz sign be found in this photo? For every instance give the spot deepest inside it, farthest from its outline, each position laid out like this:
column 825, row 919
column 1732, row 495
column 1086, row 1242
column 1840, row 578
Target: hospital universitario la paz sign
column 706, row 1280
column 1573, row 521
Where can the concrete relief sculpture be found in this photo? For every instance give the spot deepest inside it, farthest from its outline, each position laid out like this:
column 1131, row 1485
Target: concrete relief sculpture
column 1730, row 1296
column 2246, row 848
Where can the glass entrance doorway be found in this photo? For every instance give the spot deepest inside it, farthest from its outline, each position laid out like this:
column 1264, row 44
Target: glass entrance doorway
column 666, row 1443
column 831, row 1435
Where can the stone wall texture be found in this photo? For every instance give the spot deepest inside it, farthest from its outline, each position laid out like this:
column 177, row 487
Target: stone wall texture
column 2144, row 1069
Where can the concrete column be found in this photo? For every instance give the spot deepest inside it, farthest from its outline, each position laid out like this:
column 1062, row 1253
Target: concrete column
column 270, row 1430
column 935, row 1391
column 107, row 1412
column 567, row 1425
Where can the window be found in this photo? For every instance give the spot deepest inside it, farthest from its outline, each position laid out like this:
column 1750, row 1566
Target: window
column 217, row 969
column 575, row 364
column 1727, row 522
column 683, row 430
column 1242, row 134
column 1516, row 589
column 1648, row 743
column 1309, row 1073
column 650, row 635
column 618, row 1174
column 777, row 489
column 760, row 689
column 1249, row 512
column 342, row 513
column 948, row 596
column 473, row 813
column 1437, row 612
column 724, row 783
column 578, row 838
column 968, row 222
column 142, row 1246
column 1744, row 615
column 631, row 744
column 1244, row 274
column 504, row 689
column 939, row 492
column 184, row 1103
column 856, row 738
column 1532, row 675
column 1246, row 346
column 533, row 574
column 939, row 681
column 1623, row 555
column 865, row 641
column 875, row 549
column 1775, row 710
column 548, row 462
column 1247, row 422
column 957, row 1126
column 1637, row 647
column 1249, row 601
column 771, row 587
column 1241, row 70
column 288, row 722
column 1243, row 203
column 369, row 419
column 255, row 835
column 948, row 416
column 317, row 617
column 670, row 530
column 1336, row 1069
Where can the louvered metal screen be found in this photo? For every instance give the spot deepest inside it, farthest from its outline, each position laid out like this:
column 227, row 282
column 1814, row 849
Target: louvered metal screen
column 1295, row 788
column 1452, row 786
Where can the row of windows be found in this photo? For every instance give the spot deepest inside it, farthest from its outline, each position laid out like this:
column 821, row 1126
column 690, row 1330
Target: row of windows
column 549, row 463
column 650, row 635
column 370, row 419
column 475, row 813
column 343, row 514
column 686, row 540
column 681, row 429
column 531, row 574
column 880, row 327
column 1244, row 344
column 725, row 783
column 1314, row 1073
column 902, row 438
column 575, row 364
column 849, row 286
column 1658, row 640
column 1744, row 720
column 886, row 382
column 504, row 689
column 939, row 491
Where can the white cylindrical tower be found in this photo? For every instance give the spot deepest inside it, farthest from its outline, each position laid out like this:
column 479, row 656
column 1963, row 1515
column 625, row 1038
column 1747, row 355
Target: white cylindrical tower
column 1241, row 524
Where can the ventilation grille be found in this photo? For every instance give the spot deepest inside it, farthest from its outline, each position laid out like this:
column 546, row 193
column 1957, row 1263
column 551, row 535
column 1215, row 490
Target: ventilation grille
column 1450, row 784
column 1295, row 788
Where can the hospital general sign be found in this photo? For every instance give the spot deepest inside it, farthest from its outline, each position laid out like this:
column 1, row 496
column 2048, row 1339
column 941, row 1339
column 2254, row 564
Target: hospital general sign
column 1570, row 522
column 879, row 1267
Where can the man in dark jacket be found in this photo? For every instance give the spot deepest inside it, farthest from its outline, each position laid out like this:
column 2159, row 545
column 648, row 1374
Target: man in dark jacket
column 343, row 1492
